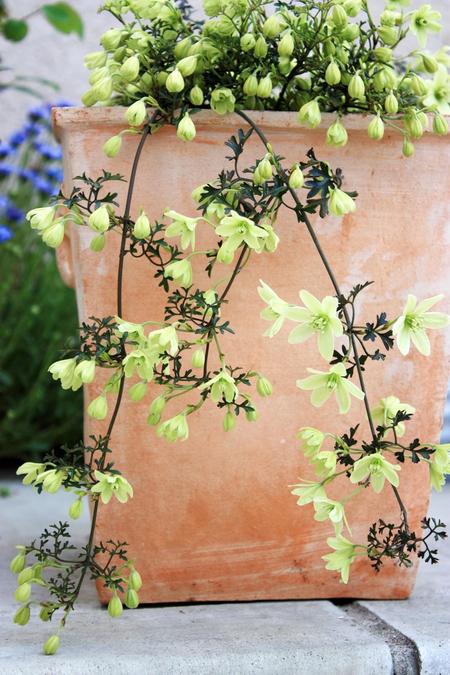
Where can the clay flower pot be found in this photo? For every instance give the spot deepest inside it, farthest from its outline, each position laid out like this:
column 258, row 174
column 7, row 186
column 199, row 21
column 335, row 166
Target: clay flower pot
column 213, row 518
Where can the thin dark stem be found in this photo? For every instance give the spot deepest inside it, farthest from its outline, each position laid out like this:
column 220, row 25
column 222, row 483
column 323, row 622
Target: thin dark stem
column 235, row 273
column 336, row 287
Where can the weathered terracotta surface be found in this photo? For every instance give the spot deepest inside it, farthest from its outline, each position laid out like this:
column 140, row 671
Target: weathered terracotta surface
column 213, row 518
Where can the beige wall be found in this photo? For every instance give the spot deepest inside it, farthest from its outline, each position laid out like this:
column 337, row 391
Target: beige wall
column 59, row 58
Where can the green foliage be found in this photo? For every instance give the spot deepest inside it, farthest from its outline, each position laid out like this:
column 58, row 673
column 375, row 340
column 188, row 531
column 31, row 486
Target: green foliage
column 64, row 18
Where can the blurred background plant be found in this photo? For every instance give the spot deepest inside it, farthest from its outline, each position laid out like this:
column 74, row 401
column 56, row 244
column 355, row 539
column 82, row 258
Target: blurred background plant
column 38, row 313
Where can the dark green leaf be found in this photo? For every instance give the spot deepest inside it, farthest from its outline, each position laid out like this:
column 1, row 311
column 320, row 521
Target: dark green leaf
column 63, row 17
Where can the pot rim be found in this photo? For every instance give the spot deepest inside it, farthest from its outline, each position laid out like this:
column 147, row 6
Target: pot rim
column 82, row 117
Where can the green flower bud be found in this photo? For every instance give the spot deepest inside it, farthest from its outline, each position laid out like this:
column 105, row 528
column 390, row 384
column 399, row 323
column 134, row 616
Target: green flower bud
column 137, row 391
column 408, row 147
column 17, row 563
column 352, row 7
column 264, row 87
column 286, row 45
column 45, row 613
column 340, row 203
column 161, row 78
column 265, row 169
column 22, row 616
column 388, row 34
column 248, row 42
column 23, row 592
column 261, row 48
column 156, row 408
column 391, row 104
column 229, row 421
column 212, row 7
column 222, row 100
column 198, row 358
column 97, row 243
column 388, row 18
column 285, row 64
column 187, row 65
column 383, row 54
column 136, row 114
column 376, row 128
column 76, row 509
column 413, row 125
column 141, row 228
column 186, row 128
column 112, row 146
column 182, row 48
column 309, row 114
column 99, row 219
column 196, row 95
column 350, row 33
column 328, row 48
column 115, row 607
column 134, row 580
column 95, row 60
column 85, row 370
column 129, row 69
column 356, row 87
column 263, row 387
column 251, row 415
column 53, row 236
column 332, row 74
column 25, row 575
column 52, row 645
column 337, row 134
column 430, row 63
column 175, row 82
column 131, row 599
column 338, row 16
column 250, row 85
column 296, row 179
column 418, row 86
column 273, row 26
column 111, row 39
column 440, row 125
column 98, row 407
column 225, row 255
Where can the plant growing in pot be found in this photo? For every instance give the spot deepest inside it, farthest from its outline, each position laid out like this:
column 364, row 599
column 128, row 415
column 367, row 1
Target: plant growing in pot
column 189, row 342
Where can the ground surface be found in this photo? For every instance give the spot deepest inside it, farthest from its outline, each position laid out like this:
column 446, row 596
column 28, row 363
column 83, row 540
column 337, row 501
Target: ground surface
column 292, row 638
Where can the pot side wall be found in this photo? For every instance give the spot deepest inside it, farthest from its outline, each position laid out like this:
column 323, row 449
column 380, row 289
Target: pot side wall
column 213, row 518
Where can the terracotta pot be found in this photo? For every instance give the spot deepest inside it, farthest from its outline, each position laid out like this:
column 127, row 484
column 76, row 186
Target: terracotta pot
column 213, row 518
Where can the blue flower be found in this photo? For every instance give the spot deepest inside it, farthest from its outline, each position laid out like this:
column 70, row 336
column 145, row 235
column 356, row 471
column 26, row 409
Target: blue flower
column 5, row 233
column 55, row 173
column 27, row 174
column 44, row 186
column 62, row 104
column 17, row 138
column 50, row 152
column 5, row 150
column 31, row 129
column 14, row 214
column 4, row 202
column 6, row 170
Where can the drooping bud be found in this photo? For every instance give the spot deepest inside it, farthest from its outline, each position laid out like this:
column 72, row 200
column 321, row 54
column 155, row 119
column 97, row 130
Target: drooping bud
column 17, row 563
column 111, row 39
column 175, row 82
column 309, row 114
column 23, row 592
column 51, row 646
column 273, row 26
column 391, row 104
column 85, row 370
column 115, row 607
column 286, row 45
column 229, row 421
column 247, row 42
column 187, row 65
column 156, row 408
column 137, row 391
column 418, row 86
column 408, row 149
column 261, row 48
column 129, row 69
column 131, row 599
column 332, row 74
column 251, row 415
column 376, row 128
column 196, row 95
column 95, row 60
column 440, row 125
column 98, row 407
column 76, row 509
column 134, row 580
column 250, row 85
column 338, row 16
column 263, row 387
column 198, row 358
column 136, row 114
column 99, row 220
column 22, row 616
column 25, row 575
column 141, row 228
column 337, row 134
column 340, row 203
column 97, row 243
column 186, row 128
column 112, row 146
column 430, row 63
column 356, row 87
column 388, row 34
column 296, row 179
column 53, row 236
column 265, row 87
column 383, row 54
